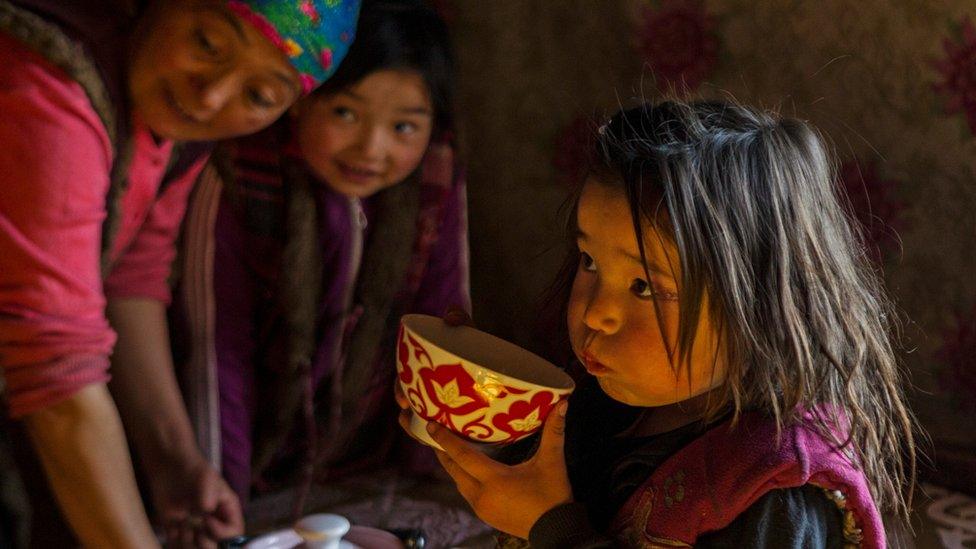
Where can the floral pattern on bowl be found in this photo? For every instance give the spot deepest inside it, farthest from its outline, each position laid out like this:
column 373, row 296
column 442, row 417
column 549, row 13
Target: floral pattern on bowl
column 473, row 401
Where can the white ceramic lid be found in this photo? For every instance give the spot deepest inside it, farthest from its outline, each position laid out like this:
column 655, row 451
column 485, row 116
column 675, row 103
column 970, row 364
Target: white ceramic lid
column 321, row 527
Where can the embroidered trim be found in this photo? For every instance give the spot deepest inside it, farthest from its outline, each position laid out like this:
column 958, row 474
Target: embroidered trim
column 674, row 488
column 852, row 534
column 508, row 541
column 652, row 542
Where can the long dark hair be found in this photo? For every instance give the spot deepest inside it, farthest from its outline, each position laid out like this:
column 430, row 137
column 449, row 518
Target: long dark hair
column 401, row 34
column 768, row 245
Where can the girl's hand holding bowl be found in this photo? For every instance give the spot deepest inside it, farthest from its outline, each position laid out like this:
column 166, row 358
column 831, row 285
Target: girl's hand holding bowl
column 510, row 498
column 474, row 388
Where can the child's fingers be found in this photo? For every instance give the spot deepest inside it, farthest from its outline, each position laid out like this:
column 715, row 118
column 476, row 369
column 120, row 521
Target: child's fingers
column 404, row 421
column 472, row 461
column 553, row 436
column 456, row 316
column 401, row 398
column 467, row 485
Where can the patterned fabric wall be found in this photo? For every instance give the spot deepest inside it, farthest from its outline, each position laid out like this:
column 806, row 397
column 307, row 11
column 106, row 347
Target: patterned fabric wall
column 892, row 84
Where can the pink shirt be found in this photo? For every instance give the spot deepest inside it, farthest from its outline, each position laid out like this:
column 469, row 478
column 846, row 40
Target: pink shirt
column 55, row 161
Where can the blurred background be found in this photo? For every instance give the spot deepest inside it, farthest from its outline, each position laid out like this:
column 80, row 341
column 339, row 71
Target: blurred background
column 892, row 85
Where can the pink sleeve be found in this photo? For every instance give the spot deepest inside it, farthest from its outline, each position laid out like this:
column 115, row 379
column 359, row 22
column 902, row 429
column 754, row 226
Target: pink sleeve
column 144, row 268
column 54, row 165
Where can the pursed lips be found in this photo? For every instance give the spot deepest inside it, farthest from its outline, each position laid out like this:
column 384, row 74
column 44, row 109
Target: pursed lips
column 593, row 365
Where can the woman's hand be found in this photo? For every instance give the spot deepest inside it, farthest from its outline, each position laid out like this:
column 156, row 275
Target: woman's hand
column 196, row 507
column 192, row 502
column 510, row 498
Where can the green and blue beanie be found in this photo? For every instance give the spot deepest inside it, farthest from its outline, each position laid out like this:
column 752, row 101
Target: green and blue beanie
column 313, row 34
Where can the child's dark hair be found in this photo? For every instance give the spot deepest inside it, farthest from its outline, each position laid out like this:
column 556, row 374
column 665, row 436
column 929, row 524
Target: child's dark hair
column 767, row 244
column 401, row 34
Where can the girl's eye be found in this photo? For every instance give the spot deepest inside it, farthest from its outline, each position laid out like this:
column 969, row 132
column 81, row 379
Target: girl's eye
column 644, row 290
column 405, row 127
column 344, row 113
column 586, row 262
column 205, row 43
column 256, row 97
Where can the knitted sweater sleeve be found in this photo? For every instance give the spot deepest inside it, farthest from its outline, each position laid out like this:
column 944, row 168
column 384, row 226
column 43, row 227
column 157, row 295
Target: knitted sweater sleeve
column 55, row 158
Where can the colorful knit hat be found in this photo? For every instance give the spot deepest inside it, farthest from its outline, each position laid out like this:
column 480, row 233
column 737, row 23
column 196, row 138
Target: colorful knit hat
column 314, row 34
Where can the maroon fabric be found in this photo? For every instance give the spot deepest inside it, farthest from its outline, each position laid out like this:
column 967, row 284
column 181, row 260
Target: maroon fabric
column 706, row 485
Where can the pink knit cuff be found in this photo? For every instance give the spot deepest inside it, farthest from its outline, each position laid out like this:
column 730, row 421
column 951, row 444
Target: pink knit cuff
column 33, row 387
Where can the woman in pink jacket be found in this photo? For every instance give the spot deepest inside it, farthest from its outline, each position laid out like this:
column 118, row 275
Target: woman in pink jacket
column 106, row 105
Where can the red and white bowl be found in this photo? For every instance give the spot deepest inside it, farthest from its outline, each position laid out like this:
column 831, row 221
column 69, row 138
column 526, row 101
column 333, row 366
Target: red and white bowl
column 481, row 387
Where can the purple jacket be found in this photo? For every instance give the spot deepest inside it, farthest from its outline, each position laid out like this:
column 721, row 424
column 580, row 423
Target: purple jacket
column 239, row 328
column 704, row 486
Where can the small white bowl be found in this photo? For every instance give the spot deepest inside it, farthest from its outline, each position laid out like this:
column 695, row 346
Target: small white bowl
column 481, row 387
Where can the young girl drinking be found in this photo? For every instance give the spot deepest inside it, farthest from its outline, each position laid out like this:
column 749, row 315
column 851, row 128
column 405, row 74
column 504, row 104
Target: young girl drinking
column 740, row 388
column 107, row 106
column 347, row 214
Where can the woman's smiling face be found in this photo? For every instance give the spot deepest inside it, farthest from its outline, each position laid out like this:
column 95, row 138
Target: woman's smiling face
column 613, row 327
column 199, row 72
